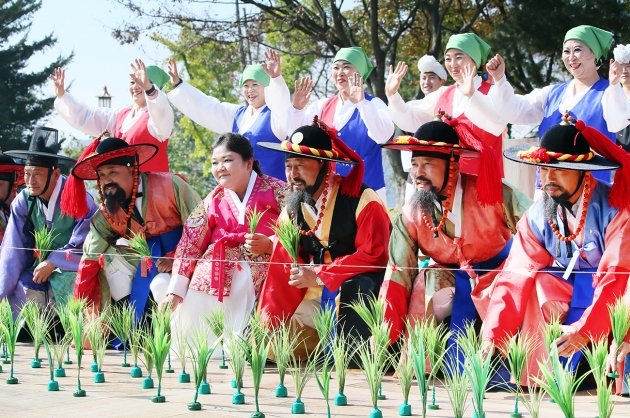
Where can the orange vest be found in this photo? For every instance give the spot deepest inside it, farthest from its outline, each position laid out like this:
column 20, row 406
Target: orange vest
column 162, row 212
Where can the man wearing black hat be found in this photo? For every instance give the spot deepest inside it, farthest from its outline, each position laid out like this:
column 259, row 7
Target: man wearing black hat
column 464, row 222
column 11, row 177
column 154, row 205
column 344, row 233
column 26, row 270
column 569, row 259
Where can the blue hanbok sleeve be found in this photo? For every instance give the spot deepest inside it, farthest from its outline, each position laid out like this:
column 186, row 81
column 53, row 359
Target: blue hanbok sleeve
column 14, row 257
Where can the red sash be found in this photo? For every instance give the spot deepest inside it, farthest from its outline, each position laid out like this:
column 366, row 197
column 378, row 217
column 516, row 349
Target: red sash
column 139, row 134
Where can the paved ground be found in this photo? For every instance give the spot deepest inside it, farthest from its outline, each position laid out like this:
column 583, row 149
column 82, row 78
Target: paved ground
column 122, row 396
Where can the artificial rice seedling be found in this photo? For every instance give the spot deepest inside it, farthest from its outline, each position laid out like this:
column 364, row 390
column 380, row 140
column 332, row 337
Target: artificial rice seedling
column 456, row 384
column 560, row 382
column 121, row 323
column 135, row 344
column 341, row 349
column 404, row 371
column 533, row 399
column 517, row 352
column 138, row 244
column 44, row 242
column 10, row 328
column 159, row 341
column 237, row 362
column 418, row 353
column 200, row 354
column 44, row 324
column 216, row 322
column 551, row 332
column 620, row 323
column 284, row 342
column 31, row 317
column 596, row 356
column 301, row 375
column 436, row 337
column 59, row 347
column 256, row 349
column 289, row 236
column 147, row 358
column 97, row 333
column 182, row 350
column 253, row 218
column 76, row 315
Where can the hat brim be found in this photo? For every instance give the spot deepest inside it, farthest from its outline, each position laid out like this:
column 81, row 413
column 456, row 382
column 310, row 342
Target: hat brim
column 17, row 168
column 25, row 154
column 86, row 169
column 277, row 147
column 462, row 152
column 598, row 163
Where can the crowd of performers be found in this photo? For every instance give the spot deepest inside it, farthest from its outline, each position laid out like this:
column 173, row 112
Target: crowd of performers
column 496, row 256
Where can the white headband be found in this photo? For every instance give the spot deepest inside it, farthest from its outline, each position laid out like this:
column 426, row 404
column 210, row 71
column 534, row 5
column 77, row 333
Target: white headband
column 622, row 54
column 428, row 64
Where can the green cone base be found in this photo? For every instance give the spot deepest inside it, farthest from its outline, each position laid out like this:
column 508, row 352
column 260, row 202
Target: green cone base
column 60, row 372
column 0, row 369
column 6, row 361
column 477, row 416
column 233, row 383
column 297, row 407
column 158, row 399
column 12, row 381
column 516, row 415
column 136, row 371
column 99, row 377
column 94, row 367
column 184, row 378
column 376, row 413
column 53, row 386
column 79, row 393
column 67, row 362
column 258, row 415
column 404, row 410
column 223, row 366
column 238, row 398
column 169, row 371
column 125, row 365
column 381, row 397
column 147, row 383
column 36, row 364
column 281, row 391
column 433, row 407
column 204, row 388
column 194, row 406
column 341, row 399
column 614, row 375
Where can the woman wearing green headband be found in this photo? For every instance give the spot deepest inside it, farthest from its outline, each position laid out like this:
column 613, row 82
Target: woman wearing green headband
column 149, row 121
column 361, row 120
column 600, row 103
column 263, row 119
column 467, row 100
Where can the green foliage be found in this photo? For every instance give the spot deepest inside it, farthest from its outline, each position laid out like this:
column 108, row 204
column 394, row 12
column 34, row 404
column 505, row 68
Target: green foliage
column 182, row 346
column 253, row 218
column 301, row 374
column 76, row 317
column 97, row 333
column 200, row 354
column 33, row 319
column 517, row 351
column 597, row 355
column 418, row 352
column 256, row 347
column 138, row 243
column 121, row 321
column 341, row 349
column 283, row 343
column 560, row 382
column 289, row 236
column 404, row 368
column 237, row 357
column 21, row 105
column 456, row 383
column 135, row 343
column 619, row 320
column 551, row 332
column 44, row 242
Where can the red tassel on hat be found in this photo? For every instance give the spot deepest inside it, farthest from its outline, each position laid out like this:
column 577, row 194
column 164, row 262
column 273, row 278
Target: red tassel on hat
column 489, row 186
column 619, row 196
column 73, row 201
column 352, row 183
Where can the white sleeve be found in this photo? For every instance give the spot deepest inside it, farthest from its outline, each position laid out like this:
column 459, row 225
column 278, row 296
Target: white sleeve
column 411, row 115
column 89, row 120
column 481, row 112
column 516, row 109
column 278, row 99
column 178, row 286
column 305, row 116
column 204, row 110
column 377, row 120
column 160, row 117
column 405, row 159
column 616, row 108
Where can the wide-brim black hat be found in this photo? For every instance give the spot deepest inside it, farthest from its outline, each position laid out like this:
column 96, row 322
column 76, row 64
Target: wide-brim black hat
column 309, row 142
column 9, row 165
column 561, row 146
column 44, row 143
column 109, row 149
column 434, row 136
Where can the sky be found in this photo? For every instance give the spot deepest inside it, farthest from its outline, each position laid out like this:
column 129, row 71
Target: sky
column 84, row 27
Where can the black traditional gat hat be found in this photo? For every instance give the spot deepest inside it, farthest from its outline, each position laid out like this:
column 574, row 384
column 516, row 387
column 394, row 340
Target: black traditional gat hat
column 43, row 150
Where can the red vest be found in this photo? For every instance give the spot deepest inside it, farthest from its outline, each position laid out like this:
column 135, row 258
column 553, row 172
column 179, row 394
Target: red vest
column 139, row 134
column 470, row 165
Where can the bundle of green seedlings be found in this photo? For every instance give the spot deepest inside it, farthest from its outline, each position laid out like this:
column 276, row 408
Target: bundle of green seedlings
column 44, row 324
column 10, row 328
column 560, row 382
column 216, row 323
column 75, row 311
column 97, row 333
column 342, row 350
column 456, row 384
column 289, row 236
column 121, row 323
column 31, row 313
column 139, row 245
column 135, row 344
column 200, row 354
column 436, row 337
column 620, row 324
column 517, row 350
column 253, row 219
column 477, row 366
column 404, row 371
column 181, row 348
column 157, row 342
column 237, row 363
column 256, row 344
column 44, row 242
column 283, row 343
column 374, row 357
column 301, row 372
column 597, row 355
column 324, row 321
column 62, row 343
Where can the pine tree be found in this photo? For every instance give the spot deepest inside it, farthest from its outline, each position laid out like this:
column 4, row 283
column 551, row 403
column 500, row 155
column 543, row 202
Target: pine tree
column 20, row 104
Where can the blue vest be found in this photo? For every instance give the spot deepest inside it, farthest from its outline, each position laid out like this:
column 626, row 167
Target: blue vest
column 271, row 162
column 589, row 109
column 355, row 135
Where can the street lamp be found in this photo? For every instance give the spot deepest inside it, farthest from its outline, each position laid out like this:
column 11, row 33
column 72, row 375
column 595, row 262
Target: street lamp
column 105, row 99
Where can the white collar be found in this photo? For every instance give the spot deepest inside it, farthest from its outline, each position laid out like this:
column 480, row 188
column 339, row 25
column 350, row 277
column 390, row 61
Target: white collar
column 138, row 203
column 241, row 205
column 49, row 211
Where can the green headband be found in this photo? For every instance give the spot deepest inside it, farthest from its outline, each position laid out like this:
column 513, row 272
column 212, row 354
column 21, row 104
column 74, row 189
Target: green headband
column 598, row 40
column 357, row 57
column 472, row 45
column 157, row 76
column 255, row 72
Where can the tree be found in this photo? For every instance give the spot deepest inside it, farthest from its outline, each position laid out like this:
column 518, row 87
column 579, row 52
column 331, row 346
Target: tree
column 20, row 106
